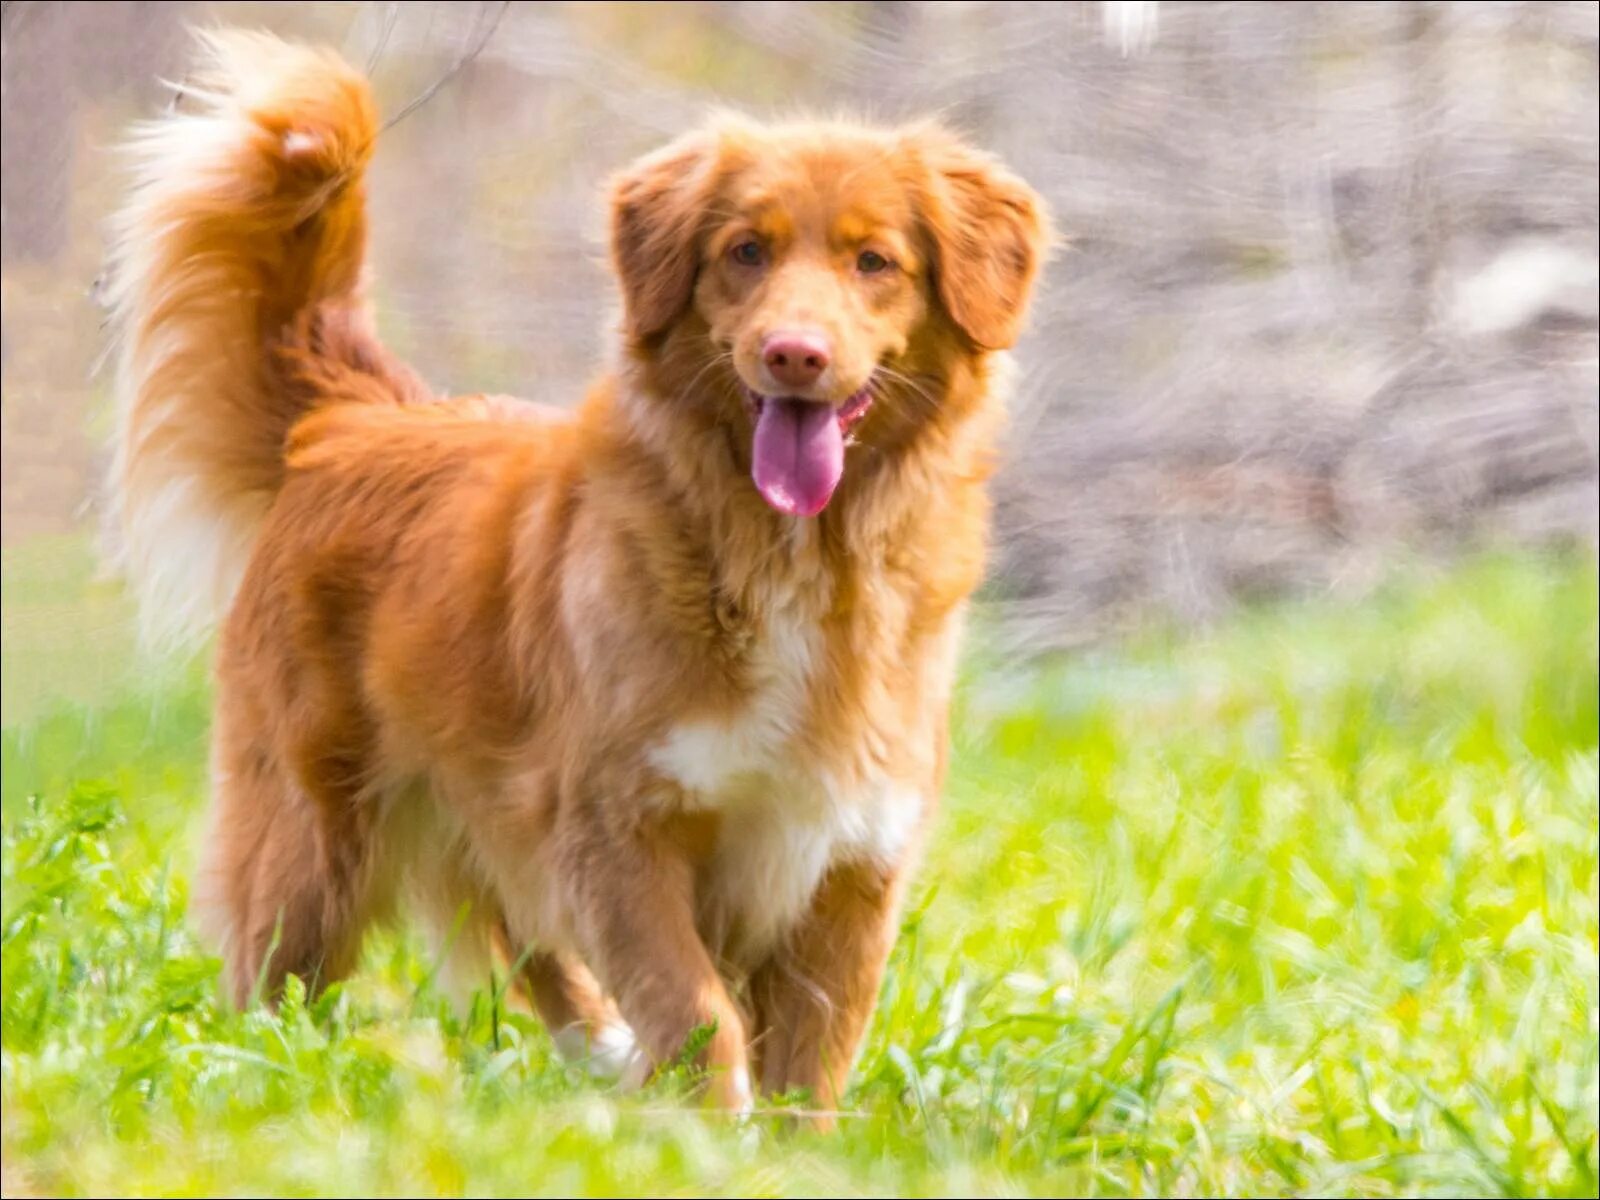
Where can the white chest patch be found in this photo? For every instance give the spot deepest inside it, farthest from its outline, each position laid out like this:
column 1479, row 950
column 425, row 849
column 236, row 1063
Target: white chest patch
column 706, row 757
column 785, row 820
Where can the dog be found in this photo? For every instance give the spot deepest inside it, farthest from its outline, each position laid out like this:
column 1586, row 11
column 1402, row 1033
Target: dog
column 649, row 696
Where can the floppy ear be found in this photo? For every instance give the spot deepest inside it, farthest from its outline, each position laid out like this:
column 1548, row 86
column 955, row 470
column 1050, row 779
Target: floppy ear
column 657, row 210
column 990, row 235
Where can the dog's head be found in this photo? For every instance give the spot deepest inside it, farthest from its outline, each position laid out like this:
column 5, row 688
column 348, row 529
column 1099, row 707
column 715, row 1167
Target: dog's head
column 810, row 282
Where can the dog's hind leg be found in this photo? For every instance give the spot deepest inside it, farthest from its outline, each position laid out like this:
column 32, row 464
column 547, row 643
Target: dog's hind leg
column 267, row 895
column 467, row 930
column 585, row 1026
column 276, row 891
column 461, row 918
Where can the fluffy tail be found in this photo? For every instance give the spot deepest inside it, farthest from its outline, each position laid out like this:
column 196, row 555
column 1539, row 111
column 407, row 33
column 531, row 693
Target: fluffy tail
column 236, row 278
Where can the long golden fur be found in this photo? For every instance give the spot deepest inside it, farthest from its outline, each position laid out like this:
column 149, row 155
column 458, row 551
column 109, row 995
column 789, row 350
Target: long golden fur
column 575, row 676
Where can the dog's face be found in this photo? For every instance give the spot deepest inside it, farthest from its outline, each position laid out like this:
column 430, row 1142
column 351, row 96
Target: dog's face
column 823, row 271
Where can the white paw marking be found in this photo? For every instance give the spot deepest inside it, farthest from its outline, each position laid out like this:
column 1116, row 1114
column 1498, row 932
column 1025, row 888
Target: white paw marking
column 608, row 1055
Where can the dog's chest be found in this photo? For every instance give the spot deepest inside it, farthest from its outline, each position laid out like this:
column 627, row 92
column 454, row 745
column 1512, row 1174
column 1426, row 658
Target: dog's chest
column 784, row 816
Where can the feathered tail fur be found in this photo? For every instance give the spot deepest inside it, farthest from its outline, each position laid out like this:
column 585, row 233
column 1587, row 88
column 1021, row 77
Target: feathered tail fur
column 236, row 289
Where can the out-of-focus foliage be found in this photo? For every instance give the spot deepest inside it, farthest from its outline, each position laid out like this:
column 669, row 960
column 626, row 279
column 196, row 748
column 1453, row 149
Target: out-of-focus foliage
column 1330, row 292
column 1305, row 906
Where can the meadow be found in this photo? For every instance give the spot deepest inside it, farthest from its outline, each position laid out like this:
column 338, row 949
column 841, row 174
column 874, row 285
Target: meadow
column 1301, row 904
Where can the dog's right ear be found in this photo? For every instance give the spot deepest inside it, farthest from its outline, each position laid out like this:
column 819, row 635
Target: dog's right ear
column 658, row 211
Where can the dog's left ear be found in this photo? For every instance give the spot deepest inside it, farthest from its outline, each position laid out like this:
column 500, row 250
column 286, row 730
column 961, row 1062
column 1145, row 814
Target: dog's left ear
column 658, row 207
column 990, row 233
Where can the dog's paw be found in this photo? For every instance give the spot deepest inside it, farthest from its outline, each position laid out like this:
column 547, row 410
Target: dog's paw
column 612, row 1053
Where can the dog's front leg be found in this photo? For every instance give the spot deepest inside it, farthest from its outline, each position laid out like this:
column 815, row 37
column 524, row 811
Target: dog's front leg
column 813, row 997
column 635, row 922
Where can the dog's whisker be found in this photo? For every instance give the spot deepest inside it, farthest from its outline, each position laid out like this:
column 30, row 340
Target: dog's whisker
column 909, row 386
column 716, row 360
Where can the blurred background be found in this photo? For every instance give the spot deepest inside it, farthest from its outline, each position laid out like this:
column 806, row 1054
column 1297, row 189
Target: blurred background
column 1330, row 299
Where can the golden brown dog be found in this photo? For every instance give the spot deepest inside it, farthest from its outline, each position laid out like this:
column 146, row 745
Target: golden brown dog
column 659, row 687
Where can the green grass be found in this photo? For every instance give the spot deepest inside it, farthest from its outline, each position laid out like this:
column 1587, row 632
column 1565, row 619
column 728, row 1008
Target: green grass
column 1304, row 905
column 66, row 631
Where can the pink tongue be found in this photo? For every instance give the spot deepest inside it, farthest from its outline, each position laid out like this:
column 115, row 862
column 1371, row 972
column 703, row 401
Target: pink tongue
column 799, row 455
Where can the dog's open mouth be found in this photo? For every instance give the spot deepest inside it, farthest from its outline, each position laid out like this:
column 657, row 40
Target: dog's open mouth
column 798, row 456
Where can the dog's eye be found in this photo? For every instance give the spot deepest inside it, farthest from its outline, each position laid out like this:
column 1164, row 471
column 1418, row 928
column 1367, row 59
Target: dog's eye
column 871, row 262
column 748, row 254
